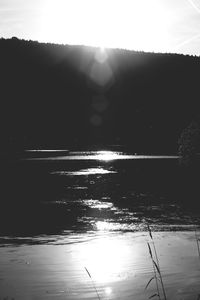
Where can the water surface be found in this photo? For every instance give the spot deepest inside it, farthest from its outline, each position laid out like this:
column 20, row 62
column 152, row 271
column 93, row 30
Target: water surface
column 78, row 226
column 119, row 266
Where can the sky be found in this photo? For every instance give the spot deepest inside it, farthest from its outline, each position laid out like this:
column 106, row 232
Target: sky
column 147, row 25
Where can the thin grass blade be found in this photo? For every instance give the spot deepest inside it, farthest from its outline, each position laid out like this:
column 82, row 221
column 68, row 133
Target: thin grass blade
column 149, row 230
column 154, row 295
column 88, row 272
column 150, row 252
column 92, row 283
column 197, row 240
column 157, row 268
column 148, row 283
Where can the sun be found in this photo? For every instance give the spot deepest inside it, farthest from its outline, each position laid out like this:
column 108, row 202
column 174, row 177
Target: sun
column 132, row 24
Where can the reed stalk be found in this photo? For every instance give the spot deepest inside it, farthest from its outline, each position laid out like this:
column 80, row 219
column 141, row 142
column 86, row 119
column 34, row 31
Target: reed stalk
column 197, row 241
column 93, row 284
column 155, row 275
column 156, row 267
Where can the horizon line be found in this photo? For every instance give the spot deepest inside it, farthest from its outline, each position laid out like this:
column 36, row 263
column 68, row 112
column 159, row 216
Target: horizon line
column 99, row 47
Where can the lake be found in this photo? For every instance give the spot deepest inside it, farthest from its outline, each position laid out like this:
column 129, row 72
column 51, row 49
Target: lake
column 74, row 225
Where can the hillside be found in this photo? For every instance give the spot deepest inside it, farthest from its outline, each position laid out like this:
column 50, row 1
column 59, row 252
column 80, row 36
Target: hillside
column 57, row 96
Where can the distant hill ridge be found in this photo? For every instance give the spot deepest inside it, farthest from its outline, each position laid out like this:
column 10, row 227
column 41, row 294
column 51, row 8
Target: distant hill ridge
column 62, row 95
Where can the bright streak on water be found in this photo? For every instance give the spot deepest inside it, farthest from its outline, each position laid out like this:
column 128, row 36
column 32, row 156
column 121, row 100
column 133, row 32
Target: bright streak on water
column 104, row 226
column 108, row 155
column 46, row 150
column 102, row 156
column 98, row 205
column 84, row 172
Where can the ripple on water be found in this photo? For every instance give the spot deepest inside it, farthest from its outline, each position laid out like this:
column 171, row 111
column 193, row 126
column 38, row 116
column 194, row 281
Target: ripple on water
column 118, row 263
column 84, row 172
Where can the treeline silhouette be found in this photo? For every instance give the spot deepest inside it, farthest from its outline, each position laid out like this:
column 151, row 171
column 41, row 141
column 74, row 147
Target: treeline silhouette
column 47, row 97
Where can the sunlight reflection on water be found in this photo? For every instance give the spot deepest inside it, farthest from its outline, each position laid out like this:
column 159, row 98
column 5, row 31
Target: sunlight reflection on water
column 84, row 172
column 119, row 266
column 97, row 204
column 104, row 233
column 102, row 156
column 109, row 190
column 104, row 258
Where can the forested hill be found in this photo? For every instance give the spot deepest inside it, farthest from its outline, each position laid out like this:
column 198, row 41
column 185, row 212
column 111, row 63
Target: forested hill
column 55, row 95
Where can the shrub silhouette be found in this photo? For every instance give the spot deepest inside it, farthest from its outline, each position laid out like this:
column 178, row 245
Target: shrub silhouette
column 189, row 143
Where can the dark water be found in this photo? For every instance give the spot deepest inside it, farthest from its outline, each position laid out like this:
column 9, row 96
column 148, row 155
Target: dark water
column 51, row 191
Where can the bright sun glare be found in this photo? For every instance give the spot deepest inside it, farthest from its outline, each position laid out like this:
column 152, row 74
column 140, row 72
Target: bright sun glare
column 104, row 259
column 133, row 24
column 107, row 155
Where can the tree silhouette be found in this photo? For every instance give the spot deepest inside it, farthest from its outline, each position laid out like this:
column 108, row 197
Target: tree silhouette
column 189, row 143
